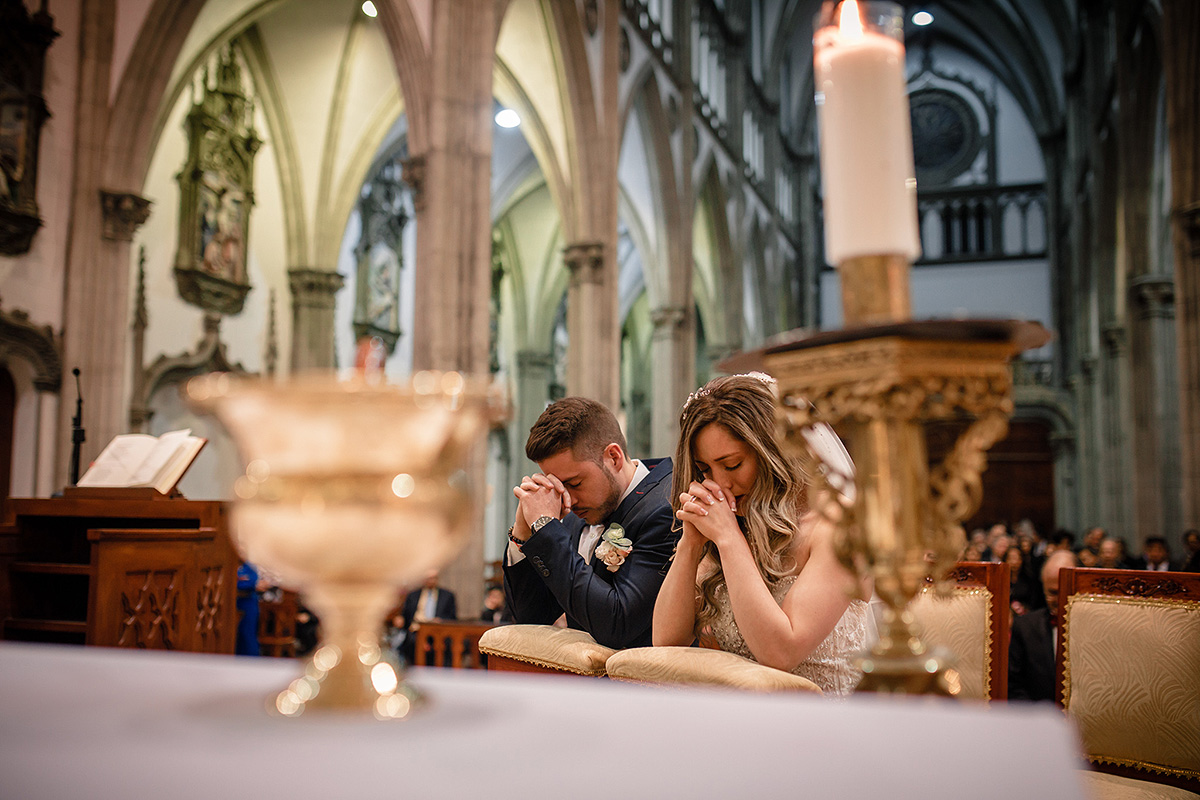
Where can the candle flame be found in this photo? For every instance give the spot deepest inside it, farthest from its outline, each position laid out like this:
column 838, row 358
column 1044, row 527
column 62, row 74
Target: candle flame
column 849, row 22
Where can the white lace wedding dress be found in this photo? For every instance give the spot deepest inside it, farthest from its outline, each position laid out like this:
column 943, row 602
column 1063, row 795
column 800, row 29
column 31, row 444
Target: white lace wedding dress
column 829, row 665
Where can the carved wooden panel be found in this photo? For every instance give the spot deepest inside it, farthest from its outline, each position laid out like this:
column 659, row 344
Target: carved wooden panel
column 209, row 597
column 150, row 610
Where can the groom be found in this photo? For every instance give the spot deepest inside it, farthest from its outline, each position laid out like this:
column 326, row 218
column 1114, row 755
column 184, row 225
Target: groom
column 593, row 530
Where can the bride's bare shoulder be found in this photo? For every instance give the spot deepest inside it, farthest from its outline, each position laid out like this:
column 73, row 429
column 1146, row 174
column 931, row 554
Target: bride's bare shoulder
column 821, row 535
column 816, row 530
column 811, row 534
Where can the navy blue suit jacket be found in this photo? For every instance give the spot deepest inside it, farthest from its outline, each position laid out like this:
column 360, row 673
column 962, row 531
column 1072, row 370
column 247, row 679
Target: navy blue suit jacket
column 616, row 608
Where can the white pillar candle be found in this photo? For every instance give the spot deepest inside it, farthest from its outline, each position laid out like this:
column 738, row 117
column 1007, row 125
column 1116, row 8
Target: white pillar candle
column 869, row 183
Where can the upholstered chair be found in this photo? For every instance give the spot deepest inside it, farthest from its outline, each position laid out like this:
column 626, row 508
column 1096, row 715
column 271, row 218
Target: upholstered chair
column 1128, row 662
column 972, row 624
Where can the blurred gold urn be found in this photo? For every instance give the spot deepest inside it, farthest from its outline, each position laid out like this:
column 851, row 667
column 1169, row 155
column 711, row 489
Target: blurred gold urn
column 353, row 488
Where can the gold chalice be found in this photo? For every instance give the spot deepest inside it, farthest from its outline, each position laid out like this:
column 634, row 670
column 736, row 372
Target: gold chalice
column 353, row 488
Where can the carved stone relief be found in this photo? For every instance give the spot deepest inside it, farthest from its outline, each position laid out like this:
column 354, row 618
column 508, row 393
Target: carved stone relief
column 591, row 16
column 216, row 187
column 24, row 39
column 383, row 211
column 123, row 213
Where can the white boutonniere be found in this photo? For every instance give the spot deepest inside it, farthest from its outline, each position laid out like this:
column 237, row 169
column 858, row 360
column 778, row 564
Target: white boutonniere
column 613, row 547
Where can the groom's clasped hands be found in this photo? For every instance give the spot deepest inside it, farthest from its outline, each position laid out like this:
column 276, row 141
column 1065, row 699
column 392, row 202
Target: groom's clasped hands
column 540, row 495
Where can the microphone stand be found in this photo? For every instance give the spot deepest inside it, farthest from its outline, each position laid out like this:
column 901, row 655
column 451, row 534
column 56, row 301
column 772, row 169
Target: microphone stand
column 77, row 434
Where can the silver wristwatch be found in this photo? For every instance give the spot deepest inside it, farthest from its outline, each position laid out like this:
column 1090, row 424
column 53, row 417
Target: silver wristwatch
column 541, row 522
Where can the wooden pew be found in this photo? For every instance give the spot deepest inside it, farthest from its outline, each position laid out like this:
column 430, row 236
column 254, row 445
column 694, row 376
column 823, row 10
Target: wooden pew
column 457, row 638
column 277, row 624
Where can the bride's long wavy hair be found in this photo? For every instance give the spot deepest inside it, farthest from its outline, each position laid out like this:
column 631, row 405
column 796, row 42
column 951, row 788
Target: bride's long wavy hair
column 770, row 513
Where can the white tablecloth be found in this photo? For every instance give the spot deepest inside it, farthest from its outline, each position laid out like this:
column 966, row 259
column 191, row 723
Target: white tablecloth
column 101, row 723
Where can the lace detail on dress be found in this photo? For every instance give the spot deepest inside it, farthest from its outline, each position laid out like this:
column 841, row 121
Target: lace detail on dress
column 829, row 665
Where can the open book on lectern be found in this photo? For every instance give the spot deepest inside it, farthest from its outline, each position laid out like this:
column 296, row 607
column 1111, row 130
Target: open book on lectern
column 141, row 460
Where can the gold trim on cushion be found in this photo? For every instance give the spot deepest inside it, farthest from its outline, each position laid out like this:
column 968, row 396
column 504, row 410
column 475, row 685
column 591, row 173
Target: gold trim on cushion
column 927, row 596
column 701, row 666
column 547, row 646
column 1164, row 661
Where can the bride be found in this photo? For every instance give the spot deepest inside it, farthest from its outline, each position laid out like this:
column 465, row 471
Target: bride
column 754, row 565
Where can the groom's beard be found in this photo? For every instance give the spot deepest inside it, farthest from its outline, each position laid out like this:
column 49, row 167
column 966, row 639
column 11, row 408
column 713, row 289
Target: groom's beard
column 601, row 512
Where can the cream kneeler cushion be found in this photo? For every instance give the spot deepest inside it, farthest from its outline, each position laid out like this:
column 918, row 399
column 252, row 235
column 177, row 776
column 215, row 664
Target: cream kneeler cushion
column 563, row 649
column 699, row 666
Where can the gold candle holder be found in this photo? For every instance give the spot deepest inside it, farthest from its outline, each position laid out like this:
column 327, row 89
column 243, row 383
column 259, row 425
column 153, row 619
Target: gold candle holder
column 879, row 385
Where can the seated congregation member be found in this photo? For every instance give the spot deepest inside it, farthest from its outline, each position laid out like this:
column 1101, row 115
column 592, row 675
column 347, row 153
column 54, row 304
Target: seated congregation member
column 1191, row 551
column 495, row 606
column 1024, row 587
column 1112, row 555
column 754, row 565
column 1034, row 636
column 246, row 643
column 429, row 603
column 1156, row 555
column 593, row 530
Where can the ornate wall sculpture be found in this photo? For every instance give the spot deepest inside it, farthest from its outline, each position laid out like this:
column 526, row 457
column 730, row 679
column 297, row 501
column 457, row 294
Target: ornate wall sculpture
column 499, row 268
column 383, row 209
column 24, row 39
column 216, row 189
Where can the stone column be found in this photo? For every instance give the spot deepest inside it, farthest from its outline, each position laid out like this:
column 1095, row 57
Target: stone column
column 48, row 401
column 1085, row 387
column 593, row 346
column 96, row 277
column 1157, row 499
column 450, row 173
column 1181, row 65
column 535, row 371
column 313, row 294
column 670, row 348
column 452, row 183
column 1066, row 498
column 809, row 268
column 1116, row 481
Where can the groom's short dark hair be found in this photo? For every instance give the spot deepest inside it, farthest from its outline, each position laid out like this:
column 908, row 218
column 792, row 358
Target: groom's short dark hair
column 583, row 426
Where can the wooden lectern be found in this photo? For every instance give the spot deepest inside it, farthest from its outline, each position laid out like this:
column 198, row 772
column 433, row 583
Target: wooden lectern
column 120, row 568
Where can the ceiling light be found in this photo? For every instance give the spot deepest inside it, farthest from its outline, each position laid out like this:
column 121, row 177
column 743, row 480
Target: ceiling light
column 507, row 118
column 368, row 8
column 922, row 18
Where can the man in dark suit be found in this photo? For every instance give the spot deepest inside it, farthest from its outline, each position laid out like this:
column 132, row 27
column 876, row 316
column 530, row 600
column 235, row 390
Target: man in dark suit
column 1034, row 637
column 593, row 533
column 430, row 602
